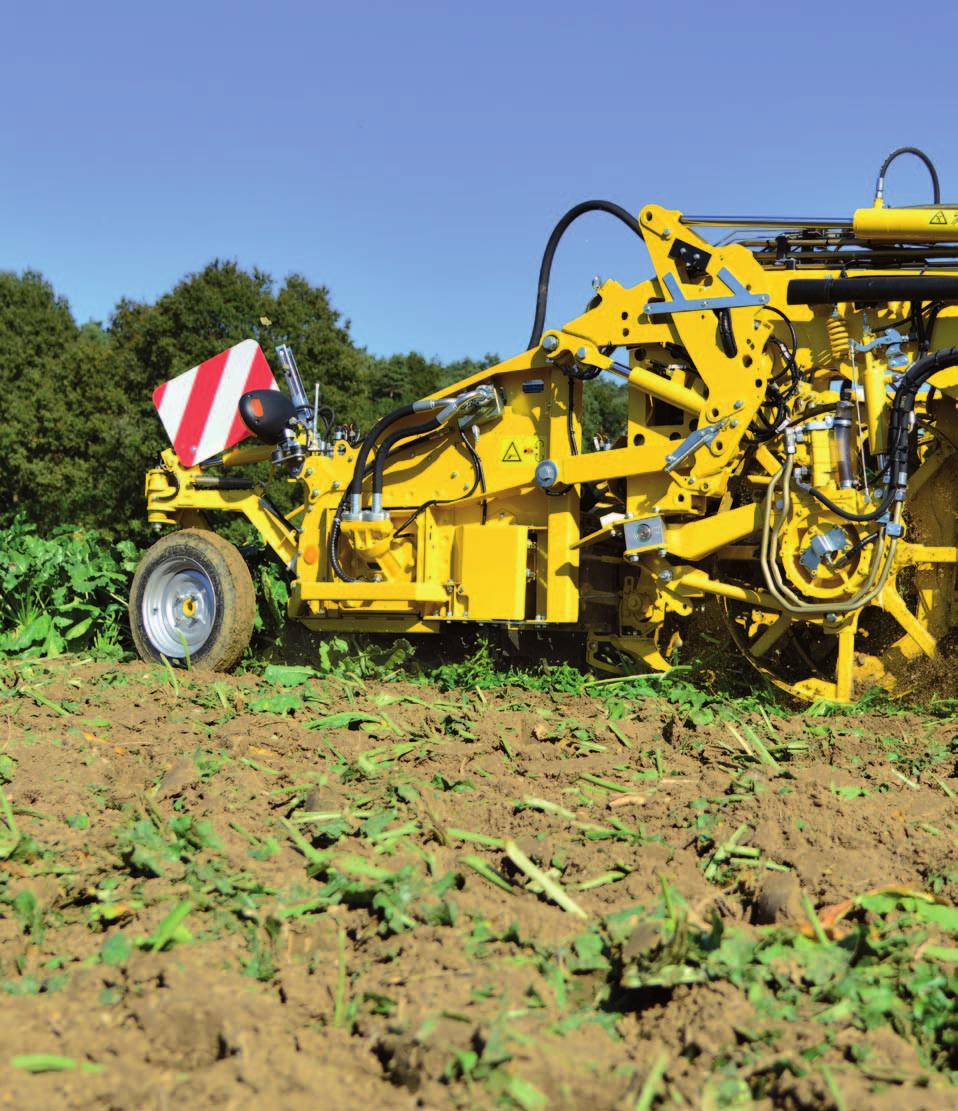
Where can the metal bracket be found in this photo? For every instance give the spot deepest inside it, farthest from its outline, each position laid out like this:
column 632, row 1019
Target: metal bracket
column 740, row 299
column 893, row 529
column 892, row 339
column 691, row 444
column 822, row 547
column 484, row 406
column 647, row 532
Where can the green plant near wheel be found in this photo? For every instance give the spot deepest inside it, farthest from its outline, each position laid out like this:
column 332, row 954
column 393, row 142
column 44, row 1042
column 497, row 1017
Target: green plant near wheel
column 63, row 592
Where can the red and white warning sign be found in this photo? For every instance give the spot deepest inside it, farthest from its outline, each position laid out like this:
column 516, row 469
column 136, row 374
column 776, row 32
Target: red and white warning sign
column 199, row 408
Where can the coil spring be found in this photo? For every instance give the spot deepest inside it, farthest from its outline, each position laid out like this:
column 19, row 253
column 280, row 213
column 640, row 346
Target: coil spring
column 838, row 338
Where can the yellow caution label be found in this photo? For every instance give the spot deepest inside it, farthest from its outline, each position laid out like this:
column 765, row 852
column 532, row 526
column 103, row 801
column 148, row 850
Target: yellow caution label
column 522, row 449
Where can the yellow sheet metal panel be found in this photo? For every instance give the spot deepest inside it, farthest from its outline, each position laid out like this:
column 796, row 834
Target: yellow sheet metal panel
column 489, row 567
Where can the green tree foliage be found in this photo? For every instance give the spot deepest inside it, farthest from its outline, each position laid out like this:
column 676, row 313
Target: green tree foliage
column 401, row 378
column 303, row 317
column 207, row 312
column 79, row 428
column 48, row 381
column 605, row 410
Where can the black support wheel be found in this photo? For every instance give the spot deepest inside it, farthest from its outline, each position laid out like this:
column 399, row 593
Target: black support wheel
column 192, row 601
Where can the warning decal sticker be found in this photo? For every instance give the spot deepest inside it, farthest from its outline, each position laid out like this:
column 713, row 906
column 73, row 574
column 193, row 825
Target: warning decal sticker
column 522, row 449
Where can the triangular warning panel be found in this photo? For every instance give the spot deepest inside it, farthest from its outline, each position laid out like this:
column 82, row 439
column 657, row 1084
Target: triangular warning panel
column 511, row 454
column 939, row 218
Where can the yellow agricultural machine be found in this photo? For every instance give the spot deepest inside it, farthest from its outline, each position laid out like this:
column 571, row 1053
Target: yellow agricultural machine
column 789, row 458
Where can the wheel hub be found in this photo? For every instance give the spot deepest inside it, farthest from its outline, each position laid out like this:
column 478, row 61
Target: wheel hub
column 179, row 608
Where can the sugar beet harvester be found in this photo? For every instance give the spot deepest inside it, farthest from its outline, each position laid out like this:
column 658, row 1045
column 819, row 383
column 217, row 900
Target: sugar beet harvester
column 790, row 456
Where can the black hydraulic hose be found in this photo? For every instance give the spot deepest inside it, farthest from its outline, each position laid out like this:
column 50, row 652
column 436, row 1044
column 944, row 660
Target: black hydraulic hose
column 545, row 270
column 356, row 484
column 570, row 419
column 330, row 415
column 335, row 529
column 726, row 335
column 935, row 186
column 899, row 421
column 872, row 515
column 405, row 433
column 171, row 475
column 903, row 406
column 334, row 542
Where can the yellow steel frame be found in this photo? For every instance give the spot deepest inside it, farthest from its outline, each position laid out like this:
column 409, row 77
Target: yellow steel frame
column 416, row 578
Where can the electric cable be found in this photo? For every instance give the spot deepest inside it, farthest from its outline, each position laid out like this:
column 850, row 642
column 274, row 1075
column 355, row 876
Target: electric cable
column 479, row 481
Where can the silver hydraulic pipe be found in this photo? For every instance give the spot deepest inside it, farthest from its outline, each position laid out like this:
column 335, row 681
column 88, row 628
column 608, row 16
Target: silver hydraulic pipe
column 294, row 383
column 767, row 221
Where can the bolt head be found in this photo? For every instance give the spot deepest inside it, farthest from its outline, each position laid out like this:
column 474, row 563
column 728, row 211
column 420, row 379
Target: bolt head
column 550, row 343
column 633, row 558
column 666, row 233
column 739, row 404
column 581, row 353
column 665, row 576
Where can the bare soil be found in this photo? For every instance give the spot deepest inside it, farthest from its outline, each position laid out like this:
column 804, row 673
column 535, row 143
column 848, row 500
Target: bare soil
column 321, row 961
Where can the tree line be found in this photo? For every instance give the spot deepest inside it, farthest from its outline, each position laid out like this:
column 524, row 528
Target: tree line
column 78, row 428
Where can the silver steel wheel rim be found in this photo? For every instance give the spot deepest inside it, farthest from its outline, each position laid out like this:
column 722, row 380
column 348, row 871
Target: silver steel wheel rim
column 179, row 608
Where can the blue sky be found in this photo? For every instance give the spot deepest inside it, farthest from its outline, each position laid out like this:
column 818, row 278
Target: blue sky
column 414, row 157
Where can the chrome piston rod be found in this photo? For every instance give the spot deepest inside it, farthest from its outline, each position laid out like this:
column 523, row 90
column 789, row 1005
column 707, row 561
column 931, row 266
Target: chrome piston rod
column 767, row 221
